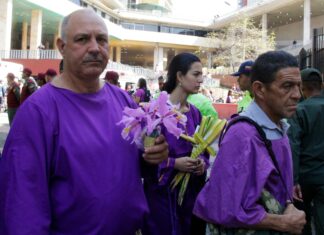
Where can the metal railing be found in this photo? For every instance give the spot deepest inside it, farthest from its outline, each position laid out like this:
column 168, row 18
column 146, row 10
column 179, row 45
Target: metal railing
column 294, row 49
column 140, row 71
column 54, row 54
column 30, row 54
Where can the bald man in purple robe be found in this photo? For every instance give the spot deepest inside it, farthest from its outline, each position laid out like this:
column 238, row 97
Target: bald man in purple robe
column 65, row 168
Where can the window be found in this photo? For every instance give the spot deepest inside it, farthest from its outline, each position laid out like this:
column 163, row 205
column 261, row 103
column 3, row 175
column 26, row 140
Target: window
column 83, row 4
column 165, row 29
column 149, row 27
column 139, row 27
column 128, row 26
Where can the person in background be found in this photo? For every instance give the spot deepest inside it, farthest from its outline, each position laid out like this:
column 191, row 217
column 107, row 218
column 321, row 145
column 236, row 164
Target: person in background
column 229, row 98
column 2, row 94
column 50, row 75
column 244, row 168
column 129, row 89
column 41, row 79
column 166, row 216
column 29, row 86
column 160, row 84
column 65, row 168
column 112, row 78
column 13, row 97
column 209, row 94
column 244, row 81
column 142, row 94
column 61, row 66
column 307, row 145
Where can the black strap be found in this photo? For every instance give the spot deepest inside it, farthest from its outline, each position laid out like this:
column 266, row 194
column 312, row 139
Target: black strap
column 235, row 119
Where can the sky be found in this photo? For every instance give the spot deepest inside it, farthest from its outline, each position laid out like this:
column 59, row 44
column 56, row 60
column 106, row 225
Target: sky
column 202, row 9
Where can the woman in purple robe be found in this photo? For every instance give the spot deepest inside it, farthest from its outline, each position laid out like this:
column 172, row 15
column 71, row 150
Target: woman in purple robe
column 166, row 216
column 142, row 93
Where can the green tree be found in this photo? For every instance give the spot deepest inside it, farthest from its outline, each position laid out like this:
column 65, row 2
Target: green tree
column 240, row 41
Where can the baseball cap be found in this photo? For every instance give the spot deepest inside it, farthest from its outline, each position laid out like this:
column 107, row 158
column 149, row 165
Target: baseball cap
column 244, row 68
column 112, row 76
column 41, row 76
column 311, row 74
column 51, row 72
column 27, row 71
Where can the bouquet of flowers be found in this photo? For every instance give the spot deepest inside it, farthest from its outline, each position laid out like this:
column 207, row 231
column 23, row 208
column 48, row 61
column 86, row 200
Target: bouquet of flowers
column 205, row 134
column 142, row 125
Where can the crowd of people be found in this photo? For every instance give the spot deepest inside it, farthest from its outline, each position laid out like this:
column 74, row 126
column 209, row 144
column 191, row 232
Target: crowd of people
column 65, row 168
column 17, row 91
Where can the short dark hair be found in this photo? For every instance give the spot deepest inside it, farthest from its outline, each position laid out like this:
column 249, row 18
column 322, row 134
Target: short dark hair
column 180, row 63
column 160, row 78
column 268, row 64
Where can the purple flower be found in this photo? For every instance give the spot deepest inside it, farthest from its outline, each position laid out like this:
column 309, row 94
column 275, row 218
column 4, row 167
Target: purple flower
column 150, row 117
column 168, row 115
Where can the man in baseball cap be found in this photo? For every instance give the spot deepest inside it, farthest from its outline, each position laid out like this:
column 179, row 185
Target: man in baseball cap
column 27, row 72
column 244, row 81
column 311, row 82
column 49, row 75
column 30, row 85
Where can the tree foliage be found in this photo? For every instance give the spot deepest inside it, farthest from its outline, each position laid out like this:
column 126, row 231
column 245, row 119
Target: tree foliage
column 240, row 41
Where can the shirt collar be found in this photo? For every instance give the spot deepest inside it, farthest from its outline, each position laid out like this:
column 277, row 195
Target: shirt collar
column 259, row 116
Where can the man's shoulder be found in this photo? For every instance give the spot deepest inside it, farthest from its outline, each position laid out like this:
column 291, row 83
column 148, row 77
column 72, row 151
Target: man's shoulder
column 30, row 80
column 241, row 128
column 312, row 101
column 120, row 94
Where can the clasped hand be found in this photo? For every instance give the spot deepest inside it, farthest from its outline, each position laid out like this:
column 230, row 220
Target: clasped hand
column 190, row 165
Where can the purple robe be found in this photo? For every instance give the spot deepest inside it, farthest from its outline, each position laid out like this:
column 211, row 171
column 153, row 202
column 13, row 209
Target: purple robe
column 166, row 216
column 241, row 170
column 66, row 169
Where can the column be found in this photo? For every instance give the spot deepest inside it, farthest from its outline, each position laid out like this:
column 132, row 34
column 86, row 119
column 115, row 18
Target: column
column 24, row 35
column 118, row 54
column 36, row 29
column 264, row 23
column 307, row 22
column 209, row 59
column 5, row 25
column 158, row 59
column 111, row 53
column 56, row 36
